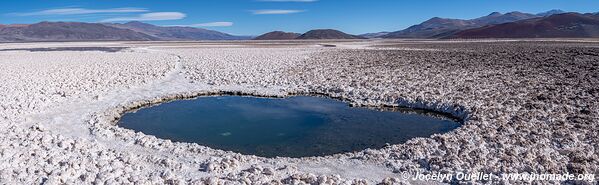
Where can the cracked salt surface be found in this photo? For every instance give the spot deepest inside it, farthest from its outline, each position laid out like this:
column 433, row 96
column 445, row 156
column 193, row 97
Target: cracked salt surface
column 529, row 107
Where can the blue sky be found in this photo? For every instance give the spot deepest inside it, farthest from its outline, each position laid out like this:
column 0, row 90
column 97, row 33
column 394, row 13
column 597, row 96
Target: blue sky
column 254, row 17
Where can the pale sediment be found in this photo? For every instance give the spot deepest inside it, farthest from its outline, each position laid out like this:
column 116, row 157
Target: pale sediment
column 528, row 107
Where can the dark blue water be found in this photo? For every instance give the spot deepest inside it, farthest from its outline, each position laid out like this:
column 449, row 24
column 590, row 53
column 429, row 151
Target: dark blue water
column 293, row 127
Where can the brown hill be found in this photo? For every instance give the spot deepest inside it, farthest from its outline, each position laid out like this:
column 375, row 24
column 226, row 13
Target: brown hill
column 278, row 35
column 567, row 25
column 327, row 34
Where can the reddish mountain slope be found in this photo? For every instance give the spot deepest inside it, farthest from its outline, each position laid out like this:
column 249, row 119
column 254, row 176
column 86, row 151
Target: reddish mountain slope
column 568, row 25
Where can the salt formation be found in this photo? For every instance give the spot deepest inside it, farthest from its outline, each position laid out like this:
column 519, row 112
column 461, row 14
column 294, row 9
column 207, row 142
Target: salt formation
column 529, row 107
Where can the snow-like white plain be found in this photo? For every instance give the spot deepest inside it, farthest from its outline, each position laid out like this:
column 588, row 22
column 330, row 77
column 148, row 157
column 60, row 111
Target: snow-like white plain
column 58, row 110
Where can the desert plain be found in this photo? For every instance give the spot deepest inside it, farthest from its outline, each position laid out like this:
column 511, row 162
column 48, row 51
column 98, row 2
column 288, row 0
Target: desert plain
column 527, row 106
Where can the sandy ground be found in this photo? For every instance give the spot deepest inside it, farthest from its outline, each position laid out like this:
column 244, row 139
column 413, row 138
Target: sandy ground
column 528, row 107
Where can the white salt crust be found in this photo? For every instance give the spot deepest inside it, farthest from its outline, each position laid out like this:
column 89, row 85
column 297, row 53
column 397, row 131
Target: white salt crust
column 527, row 106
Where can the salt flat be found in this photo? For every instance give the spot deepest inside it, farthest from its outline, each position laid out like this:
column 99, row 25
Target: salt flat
column 528, row 106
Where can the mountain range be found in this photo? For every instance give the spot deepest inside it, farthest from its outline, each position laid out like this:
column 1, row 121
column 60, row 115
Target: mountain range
column 131, row 31
column 67, row 31
column 442, row 27
column 550, row 24
column 175, row 32
column 566, row 25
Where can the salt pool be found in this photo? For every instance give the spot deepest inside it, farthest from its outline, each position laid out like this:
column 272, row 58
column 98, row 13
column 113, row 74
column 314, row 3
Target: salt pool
column 297, row 126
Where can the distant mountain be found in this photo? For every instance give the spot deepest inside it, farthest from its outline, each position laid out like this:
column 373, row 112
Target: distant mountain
column 431, row 28
column 550, row 12
column 67, row 31
column 440, row 27
column 327, row 34
column 498, row 18
column 374, row 35
column 278, row 35
column 567, row 25
column 175, row 32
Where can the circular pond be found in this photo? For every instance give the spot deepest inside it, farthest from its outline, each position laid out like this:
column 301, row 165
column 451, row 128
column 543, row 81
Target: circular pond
column 297, row 126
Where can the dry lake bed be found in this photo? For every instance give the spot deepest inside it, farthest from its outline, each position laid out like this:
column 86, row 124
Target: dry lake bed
column 524, row 106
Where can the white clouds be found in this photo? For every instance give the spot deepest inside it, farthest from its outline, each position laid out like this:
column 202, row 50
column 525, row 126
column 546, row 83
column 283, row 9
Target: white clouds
column 301, row 1
column 279, row 11
column 80, row 11
column 126, row 14
column 209, row 24
column 155, row 16
column 272, row 12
